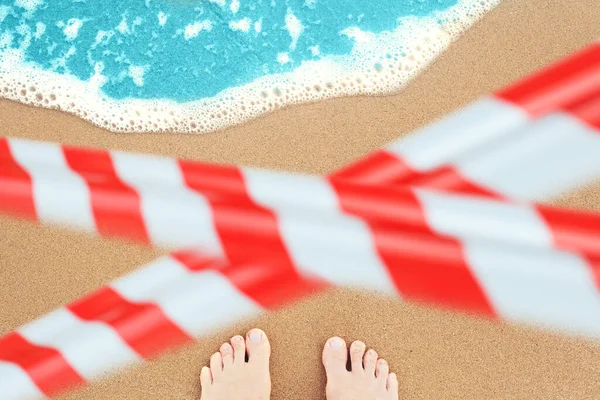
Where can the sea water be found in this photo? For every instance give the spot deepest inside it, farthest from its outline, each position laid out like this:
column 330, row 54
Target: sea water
column 201, row 65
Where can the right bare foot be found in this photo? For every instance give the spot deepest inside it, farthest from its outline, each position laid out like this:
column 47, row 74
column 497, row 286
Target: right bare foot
column 369, row 379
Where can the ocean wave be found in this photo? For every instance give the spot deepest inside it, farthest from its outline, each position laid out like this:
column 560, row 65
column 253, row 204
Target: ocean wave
column 199, row 66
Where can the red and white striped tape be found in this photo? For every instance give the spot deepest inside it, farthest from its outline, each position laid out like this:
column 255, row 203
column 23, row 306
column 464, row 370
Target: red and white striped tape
column 543, row 159
column 347, row 234
column 173, row 203
column 186, row 295
column 167, row 303
column 558, row 86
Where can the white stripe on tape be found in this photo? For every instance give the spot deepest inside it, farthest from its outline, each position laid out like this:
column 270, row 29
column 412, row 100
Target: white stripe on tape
column 552, row 289
column 551, row 156
column 91, row 348
column 198, row 302
column 332, row 245
column 150, row 277
column 175, row 216
column 65, row 203
column 465, row 129
column 470, row 217
column 277, row 189
column 15, row 384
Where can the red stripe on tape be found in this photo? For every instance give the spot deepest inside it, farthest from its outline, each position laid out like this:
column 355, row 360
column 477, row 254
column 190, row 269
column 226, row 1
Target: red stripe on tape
column 269, row 284
column 588, row 110
column 213, row 178
column 447, row 178
column 116, row 206
column 423, row 265
column 558, row 85
column 46, row 367
column 242, row 245
column 594, row 265
column 380, row 166
column 576, row 231
column 16, row 189
column 197, row 260
column 393, row 204
column 229, row 216
column 143, row 326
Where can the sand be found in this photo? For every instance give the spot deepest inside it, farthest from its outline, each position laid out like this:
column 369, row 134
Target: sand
column 437, row 354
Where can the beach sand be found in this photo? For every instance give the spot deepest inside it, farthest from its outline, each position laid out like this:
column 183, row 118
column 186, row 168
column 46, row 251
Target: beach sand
column 437, row 354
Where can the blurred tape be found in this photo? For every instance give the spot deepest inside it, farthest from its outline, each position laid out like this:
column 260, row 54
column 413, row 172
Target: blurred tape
column 556, row 87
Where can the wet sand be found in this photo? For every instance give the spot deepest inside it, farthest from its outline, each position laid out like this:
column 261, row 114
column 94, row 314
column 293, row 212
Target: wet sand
column 437, row 354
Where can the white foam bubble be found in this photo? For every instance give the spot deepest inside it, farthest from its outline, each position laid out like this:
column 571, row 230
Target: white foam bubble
column 6, row 39
column 378, row 64
column 40, row 29
column 98, row 80
column 241, row 25
column 103, row 37
column 71, row 28
column 29, row 5
column 234, row 6
column 294, row 28
column 162, row 18
column 193, row 30
column 137, row 21
column 122, row 27
column 136, row 72
column 258, row 26
column 359, row 36
column 283, row 58
column 4, row 11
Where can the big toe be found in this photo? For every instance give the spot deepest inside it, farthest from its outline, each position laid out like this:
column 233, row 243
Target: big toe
column 258, row 347
column 335, row 355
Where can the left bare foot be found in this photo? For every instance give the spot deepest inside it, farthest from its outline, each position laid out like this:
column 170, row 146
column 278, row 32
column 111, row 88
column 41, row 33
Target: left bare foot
column 230, row 377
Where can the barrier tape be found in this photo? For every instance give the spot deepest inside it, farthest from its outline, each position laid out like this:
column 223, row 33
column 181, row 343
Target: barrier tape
column 187, row 295
column 553, row 88
column 173, row 203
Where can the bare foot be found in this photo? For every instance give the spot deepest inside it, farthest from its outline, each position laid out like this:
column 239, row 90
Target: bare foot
column 370, row 378
column 230, row 377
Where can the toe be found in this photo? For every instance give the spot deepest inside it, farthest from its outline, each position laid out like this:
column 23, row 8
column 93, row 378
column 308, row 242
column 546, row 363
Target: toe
column 205, row 378
column 226, row 354
column 392, row 383
column 357, row 352
column 335, row 355
column 216, row 365
column 258, row 347
column 381, row 372
column 239, row 349
column 369, row 361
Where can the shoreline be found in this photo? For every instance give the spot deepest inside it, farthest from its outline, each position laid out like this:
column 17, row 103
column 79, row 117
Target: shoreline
column 422, row 40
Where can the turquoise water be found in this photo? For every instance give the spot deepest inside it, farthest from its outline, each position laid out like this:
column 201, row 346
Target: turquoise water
column 186, row 50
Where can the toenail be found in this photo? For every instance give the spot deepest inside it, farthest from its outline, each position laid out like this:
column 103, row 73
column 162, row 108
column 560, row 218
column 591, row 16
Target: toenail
column 225, row 348
column 358, row 345
column 255, row 336
column 336, row 343
column 238, row 339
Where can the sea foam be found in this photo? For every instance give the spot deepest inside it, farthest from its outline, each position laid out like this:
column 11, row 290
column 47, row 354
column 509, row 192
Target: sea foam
column 378, row 63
